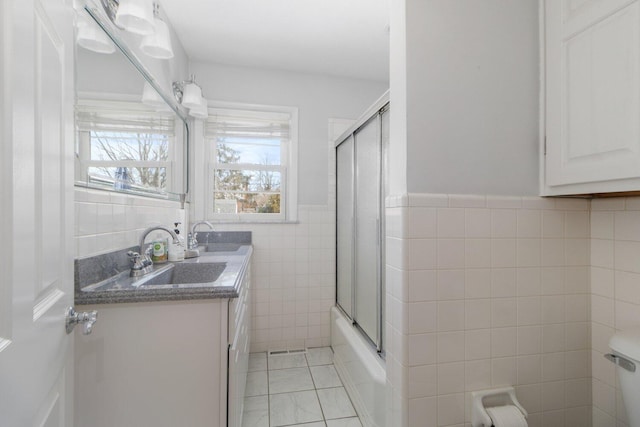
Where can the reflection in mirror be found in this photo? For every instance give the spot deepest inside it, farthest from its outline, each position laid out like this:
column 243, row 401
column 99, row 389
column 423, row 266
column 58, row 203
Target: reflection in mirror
column 128, row 139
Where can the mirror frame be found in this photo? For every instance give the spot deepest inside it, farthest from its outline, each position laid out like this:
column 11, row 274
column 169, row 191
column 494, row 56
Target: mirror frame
column 100, row 14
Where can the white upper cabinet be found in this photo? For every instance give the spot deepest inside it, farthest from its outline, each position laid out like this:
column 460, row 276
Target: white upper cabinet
column 592, row 96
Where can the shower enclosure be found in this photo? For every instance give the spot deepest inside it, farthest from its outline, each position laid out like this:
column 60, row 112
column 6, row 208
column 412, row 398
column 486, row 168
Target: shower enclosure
column 361, row 165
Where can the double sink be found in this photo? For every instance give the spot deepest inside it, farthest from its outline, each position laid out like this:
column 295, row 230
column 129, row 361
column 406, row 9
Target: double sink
column 217, row 269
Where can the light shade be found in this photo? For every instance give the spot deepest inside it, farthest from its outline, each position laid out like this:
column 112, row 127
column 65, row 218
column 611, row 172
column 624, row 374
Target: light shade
column 200, row 111
column 136, row 16
column 151, row 98
column 158, row 44
column 192, row 96
column 91, row 37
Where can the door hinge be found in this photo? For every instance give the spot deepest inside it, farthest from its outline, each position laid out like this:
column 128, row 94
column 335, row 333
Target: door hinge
column 545, row 145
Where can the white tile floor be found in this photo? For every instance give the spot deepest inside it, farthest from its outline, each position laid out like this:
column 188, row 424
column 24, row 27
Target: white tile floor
column 300, row 389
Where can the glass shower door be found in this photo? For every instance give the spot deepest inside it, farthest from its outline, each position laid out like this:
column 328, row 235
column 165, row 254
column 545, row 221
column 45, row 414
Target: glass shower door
column 344, row 225
column 361, row 168
column 367, row 229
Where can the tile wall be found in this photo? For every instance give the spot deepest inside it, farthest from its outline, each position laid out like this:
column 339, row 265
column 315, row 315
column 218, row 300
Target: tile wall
column 293, row 280
column 106, row 221
column 485, row 292
column 615, row 296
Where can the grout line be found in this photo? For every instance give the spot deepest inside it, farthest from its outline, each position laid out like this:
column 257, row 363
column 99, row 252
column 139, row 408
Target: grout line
column 315, row 389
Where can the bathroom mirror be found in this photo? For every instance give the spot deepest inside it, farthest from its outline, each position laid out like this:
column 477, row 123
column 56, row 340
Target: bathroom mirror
column 131, row 134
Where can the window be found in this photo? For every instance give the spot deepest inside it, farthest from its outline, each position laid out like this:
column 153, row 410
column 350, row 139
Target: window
column 125, row 146
column 252, row 175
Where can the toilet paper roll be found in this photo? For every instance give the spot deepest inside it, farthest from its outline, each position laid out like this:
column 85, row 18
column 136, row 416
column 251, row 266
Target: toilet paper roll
column 506, row 416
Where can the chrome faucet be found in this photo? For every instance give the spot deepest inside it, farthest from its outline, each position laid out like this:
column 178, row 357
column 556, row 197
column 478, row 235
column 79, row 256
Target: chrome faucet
column 193, row 241
column 140, row 265
column 141, row 262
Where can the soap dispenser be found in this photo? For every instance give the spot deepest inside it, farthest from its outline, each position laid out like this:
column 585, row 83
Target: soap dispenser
column 176, row 250
column 159, row 254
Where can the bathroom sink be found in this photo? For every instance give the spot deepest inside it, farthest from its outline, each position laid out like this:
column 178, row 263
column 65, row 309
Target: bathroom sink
column 182, row 275
column 186, row 274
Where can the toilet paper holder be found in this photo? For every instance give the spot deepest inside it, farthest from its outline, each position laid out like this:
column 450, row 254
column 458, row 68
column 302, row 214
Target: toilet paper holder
column 480, row 400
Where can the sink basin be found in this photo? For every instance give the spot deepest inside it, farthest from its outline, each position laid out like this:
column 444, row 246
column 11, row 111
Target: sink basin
column 223, row 247
column 184, row 275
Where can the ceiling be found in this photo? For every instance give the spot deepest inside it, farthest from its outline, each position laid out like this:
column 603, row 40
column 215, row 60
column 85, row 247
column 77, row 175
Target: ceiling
column 334, row 37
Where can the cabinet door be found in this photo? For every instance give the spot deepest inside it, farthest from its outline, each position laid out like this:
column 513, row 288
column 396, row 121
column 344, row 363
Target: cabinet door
column 592, row 92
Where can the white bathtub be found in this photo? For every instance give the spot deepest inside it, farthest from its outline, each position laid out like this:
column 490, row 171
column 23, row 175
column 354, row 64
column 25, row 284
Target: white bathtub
column 361, row 369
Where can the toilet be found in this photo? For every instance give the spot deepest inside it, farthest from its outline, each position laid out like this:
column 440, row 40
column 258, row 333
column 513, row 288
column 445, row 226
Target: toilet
column 626, row 355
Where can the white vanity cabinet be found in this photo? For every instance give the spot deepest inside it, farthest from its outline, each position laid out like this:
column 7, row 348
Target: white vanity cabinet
column 239, row 338
column 591, row 96
column 164, row 364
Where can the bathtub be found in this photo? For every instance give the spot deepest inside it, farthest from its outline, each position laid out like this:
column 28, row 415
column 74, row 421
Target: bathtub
column 361, row 369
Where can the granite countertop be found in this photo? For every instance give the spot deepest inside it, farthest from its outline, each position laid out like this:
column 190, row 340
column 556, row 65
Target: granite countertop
column 118, row 287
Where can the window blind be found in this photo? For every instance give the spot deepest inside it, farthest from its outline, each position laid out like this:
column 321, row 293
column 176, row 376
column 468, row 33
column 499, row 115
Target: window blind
column 247, row 124
column 115, row 116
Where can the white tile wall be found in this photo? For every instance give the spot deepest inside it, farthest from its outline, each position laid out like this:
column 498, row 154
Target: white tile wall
column 497, row 294
column 106, row 221
column 294, row 280
column 615, row 296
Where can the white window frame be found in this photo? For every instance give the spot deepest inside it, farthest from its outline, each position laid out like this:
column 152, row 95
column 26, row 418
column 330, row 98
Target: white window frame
column 83, row 150
column 288, row 168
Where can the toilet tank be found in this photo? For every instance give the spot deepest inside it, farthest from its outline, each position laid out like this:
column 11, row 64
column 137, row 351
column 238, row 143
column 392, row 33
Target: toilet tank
column 626, row 355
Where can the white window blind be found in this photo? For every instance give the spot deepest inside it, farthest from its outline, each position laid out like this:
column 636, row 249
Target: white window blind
column 124, row 145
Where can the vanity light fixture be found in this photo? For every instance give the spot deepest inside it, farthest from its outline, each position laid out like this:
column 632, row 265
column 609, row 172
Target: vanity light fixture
column 192, row 95
column 201, row 111
column 189, row 94
column 91, row 37
column 158, row 44
column 136, row 16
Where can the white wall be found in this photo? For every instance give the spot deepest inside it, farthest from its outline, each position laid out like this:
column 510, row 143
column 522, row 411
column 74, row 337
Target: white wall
column 317, row 98
column 398, row 99
column 471, row 88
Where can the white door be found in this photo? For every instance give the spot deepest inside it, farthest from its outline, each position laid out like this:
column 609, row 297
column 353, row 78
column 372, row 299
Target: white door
column 592, row 90
column 36, row 203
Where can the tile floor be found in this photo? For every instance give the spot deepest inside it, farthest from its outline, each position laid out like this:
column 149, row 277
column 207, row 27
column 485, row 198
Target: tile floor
column 299, row 389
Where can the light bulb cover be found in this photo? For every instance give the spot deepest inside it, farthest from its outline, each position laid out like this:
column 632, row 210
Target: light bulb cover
column 91, row 37
column 192, row 96
column 158, row 44
column 151, row 98
column 200, row 111
column 136, row 16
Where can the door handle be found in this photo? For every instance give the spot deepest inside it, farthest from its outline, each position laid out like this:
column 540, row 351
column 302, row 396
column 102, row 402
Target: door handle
column 86, row 318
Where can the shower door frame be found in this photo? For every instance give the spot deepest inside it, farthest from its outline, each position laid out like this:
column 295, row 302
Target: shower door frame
column 375, row 113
